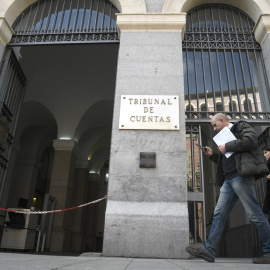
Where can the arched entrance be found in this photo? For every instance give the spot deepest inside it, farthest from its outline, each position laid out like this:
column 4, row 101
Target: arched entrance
column 66, row 22
column 62, row 143
column 223, row 72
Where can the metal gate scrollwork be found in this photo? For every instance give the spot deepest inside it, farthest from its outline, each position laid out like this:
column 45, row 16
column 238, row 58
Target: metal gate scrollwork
column 66, row 22
column 223, row 66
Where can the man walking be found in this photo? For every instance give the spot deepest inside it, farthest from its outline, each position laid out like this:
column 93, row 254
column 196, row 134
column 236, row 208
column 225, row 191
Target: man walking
column 236, row 174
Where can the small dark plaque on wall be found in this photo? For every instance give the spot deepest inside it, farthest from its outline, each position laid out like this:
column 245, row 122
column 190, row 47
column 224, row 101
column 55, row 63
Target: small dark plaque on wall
column 147, row 160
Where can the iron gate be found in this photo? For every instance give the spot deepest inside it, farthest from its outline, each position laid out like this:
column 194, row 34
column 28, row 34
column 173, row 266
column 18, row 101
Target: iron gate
column 66, row 22
column 195, row 185
column 12, row 88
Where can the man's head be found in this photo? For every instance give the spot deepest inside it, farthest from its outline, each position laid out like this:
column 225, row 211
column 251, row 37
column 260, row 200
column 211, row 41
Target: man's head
column 266, row 152
column 219, row 121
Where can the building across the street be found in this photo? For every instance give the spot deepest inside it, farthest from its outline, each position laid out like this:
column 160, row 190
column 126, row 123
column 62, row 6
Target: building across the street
column 108, row 99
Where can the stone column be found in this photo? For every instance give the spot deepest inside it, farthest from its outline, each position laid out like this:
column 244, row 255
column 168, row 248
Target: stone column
column 61, row 188
column 79, row 196
column 147, row 214
column 262, row 35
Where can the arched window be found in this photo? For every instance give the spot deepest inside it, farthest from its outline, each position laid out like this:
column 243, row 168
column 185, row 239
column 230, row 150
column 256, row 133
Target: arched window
column 222, row 60
column 219, row 107
column 233, row 106
column 66, row 21
column 189, row 107
column 203, row 108
column 247, row 105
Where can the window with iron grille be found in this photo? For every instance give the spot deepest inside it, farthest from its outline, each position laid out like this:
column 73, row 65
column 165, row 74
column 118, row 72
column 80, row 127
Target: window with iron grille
column 223, row 65
column 66, row 21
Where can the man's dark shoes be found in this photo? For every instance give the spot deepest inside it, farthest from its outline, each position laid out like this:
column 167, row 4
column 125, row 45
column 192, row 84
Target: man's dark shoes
column 265, row 259
column 200, row 253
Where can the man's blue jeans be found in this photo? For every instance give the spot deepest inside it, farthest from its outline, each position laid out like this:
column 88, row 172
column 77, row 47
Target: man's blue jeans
column 241, row 188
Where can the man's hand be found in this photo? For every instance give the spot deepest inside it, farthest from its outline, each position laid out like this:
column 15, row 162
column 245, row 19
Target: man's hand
column 207, row 150
column 222, row 149
column 268, row 177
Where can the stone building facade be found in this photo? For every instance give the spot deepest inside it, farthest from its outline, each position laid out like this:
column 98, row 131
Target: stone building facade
column 66, row 147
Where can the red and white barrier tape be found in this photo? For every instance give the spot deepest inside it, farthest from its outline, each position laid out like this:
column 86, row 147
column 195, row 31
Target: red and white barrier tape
column 52, row 211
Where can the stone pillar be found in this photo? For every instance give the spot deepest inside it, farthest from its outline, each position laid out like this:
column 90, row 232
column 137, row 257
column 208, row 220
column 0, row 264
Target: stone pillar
column 79, row 196
column 61, row 188
column 262, row 35
column 147, row 214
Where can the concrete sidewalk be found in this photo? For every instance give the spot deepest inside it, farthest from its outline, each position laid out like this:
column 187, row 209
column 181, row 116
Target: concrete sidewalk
column 94, row 261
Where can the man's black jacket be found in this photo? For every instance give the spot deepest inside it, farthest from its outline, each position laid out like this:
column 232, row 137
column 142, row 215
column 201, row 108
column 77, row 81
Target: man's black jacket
column 249, row 161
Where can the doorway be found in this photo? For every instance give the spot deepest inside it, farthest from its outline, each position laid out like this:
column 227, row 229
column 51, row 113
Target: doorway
column 69, row 95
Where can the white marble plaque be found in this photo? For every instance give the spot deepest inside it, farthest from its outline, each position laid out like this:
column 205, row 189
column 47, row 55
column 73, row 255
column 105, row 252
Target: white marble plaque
column 149, row 112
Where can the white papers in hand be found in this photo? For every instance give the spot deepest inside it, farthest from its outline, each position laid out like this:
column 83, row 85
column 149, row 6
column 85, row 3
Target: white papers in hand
column 224, row 136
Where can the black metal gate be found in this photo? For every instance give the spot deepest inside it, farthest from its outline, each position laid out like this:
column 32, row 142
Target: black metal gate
column 66, row 22
column 260, row 188
column 195, row 185
column 12, row 88
column 223, row 66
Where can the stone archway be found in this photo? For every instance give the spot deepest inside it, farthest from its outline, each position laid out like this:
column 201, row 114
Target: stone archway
column 12, row 8
column 253, row 8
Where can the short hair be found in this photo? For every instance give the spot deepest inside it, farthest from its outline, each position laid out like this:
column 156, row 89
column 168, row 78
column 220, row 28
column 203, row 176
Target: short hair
column 223, row 116
column 266, row 148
